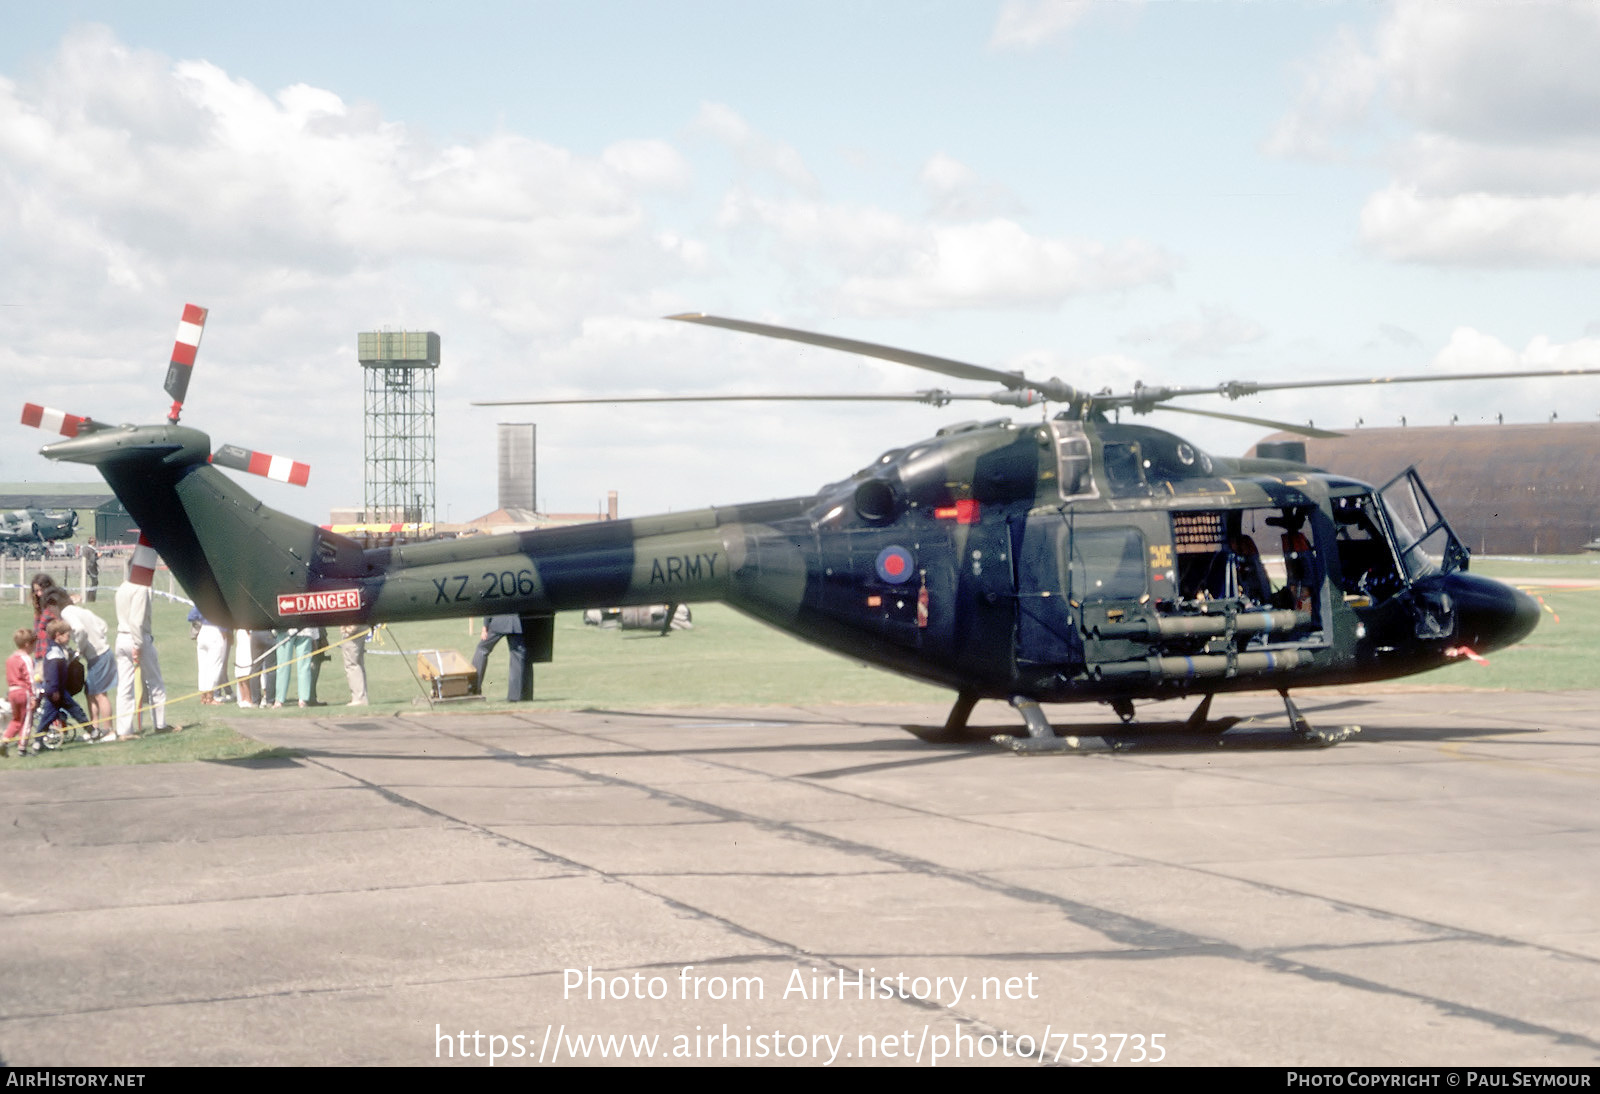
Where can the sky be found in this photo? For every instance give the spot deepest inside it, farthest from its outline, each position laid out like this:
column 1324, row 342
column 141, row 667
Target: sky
column 1181, row 192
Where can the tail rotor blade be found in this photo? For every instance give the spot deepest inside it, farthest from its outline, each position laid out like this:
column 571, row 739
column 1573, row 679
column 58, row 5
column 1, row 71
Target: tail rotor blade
column 142, row 564
column 277, row 468
column 184, row 349
column 56, row 421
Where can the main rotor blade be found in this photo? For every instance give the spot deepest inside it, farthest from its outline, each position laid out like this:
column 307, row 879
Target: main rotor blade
column 1238, row 389
column 1054, row 390
column 932, row 397
column 1286, row 427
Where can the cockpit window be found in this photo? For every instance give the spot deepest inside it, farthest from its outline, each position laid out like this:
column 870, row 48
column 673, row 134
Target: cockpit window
column 1124, row 468
column 1423, row 539
column 1139, row 456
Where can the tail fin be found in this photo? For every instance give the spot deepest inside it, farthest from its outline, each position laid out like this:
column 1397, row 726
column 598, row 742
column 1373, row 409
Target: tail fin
column 233, row 555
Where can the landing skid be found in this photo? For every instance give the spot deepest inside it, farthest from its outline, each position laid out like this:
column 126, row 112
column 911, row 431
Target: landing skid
column 1309, row 733
column 1042, row 737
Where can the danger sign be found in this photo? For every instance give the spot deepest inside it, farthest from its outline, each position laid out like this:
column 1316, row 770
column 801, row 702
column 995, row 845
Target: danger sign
column 335, row 600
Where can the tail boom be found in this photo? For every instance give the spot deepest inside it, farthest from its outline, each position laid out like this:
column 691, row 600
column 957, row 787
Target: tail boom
column 247, row 565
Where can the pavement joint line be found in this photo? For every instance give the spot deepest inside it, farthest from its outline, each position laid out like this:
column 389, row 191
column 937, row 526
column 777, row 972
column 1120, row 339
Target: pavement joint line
column 788, row 874
column 195, row 796
column 245, row 835
column 794, row 953
column 1105, row 921
column 1454, row 751
column 294, row 895
column 1390, row 916
column 289, row 993
column 1277, row 958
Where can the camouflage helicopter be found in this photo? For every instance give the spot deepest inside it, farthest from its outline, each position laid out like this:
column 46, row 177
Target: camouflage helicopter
column 1073, row 559
column 33, row 528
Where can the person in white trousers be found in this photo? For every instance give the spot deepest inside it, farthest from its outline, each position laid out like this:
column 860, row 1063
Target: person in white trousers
column 136, row 652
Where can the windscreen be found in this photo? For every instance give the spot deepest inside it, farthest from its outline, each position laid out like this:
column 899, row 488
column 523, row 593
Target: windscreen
column 1423, row 538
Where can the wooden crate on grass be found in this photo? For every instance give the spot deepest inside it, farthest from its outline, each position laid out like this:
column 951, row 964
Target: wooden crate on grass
column 447, row 674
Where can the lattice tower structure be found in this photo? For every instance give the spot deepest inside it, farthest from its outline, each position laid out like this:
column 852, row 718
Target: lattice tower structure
column 398, row 426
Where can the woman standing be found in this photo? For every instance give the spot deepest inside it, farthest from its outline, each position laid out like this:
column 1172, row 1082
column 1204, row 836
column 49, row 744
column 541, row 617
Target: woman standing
column 93, row 641
column 294, row 649
column 211, row 651
column 43, row 615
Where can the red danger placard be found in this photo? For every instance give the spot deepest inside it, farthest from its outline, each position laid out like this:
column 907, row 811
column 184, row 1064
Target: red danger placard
column 334, row 600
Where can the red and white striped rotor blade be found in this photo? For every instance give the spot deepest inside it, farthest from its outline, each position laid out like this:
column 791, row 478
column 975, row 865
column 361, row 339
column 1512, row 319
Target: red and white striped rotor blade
column 264, row 464
column 142, row 565
column 56, row 421
column 184, row 349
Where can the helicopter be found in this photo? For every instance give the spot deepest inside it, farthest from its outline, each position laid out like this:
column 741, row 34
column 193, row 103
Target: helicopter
column 33, row 528
column 1068, row 560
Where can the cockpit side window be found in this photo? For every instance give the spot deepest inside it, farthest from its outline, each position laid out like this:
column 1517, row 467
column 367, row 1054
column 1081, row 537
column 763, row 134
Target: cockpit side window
column 1124, row 468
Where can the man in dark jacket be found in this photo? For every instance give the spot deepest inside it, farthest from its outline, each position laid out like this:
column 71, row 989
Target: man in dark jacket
column 509, row 627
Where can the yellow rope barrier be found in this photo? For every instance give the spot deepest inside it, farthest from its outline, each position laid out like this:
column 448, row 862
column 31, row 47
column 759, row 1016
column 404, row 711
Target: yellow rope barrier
column 139, row 710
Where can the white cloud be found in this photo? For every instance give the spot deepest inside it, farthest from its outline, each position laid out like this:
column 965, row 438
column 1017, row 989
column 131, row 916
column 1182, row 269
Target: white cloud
column 301, row 178
column 1471, row 350
column 130, row 183
column 725, row 125
column 885, row 264
column 1484, row 229
column 1028, row 24
column 1336, row 96
column 1483, row 112
column 1494, row 72
column 956, row 192
column 1216, row 331
column 650, row 163
column 1400, row 336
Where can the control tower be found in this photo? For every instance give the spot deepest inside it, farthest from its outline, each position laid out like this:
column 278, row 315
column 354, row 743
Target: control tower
column 398, row 432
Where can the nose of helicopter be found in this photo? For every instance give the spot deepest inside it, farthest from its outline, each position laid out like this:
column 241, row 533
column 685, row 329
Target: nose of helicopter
column 1490, row 615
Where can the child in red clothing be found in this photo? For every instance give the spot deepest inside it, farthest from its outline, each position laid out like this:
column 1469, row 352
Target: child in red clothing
column 19, row 686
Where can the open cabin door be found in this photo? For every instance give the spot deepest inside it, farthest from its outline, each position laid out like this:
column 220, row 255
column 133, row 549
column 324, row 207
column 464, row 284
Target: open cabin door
column 1191, row 595
column 1424, row 544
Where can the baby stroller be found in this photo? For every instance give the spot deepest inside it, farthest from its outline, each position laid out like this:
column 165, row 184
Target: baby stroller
column 59, row 729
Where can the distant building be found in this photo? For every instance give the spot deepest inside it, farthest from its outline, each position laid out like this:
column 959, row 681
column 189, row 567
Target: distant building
column 518, row 465
column 526, row 520
column 1505, row 489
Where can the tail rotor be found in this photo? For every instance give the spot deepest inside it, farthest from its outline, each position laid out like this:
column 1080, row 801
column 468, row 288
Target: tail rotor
column 185, row 348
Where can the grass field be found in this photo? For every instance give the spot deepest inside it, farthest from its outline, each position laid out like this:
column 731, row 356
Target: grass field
column 1560, row 654
column 729, row 659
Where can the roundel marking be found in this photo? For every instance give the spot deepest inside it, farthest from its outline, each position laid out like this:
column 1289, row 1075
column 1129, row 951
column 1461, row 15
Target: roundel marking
column 895, row 564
